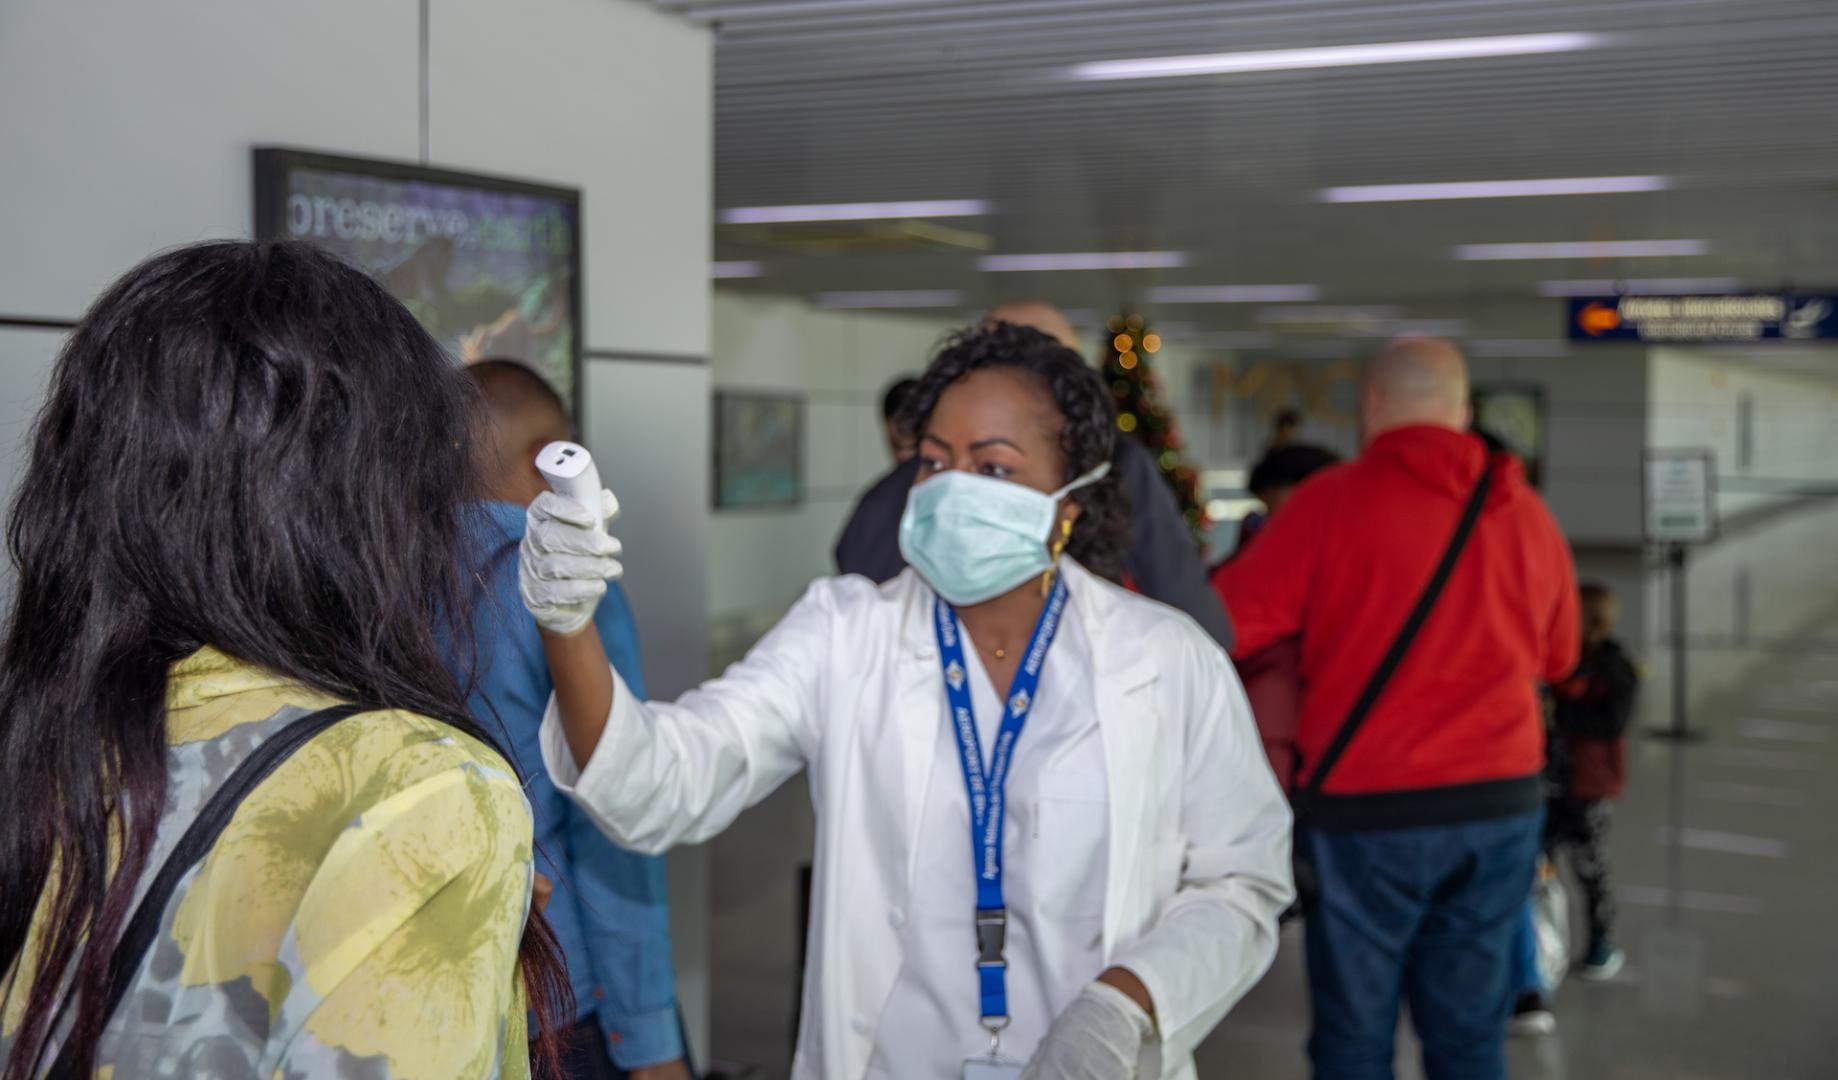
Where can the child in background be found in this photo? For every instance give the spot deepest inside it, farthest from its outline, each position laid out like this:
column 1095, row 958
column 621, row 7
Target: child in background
column 1588, row 768
column 1274, row 478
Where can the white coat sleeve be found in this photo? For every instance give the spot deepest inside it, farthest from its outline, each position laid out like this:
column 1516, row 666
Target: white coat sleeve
column 667, row 774
column 1218, row 935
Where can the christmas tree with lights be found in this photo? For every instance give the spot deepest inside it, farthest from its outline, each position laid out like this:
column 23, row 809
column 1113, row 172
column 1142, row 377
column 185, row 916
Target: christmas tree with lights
column 1140, row 414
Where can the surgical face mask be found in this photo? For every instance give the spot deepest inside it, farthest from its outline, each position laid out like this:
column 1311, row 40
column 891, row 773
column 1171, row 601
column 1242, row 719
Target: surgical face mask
column 974, row 537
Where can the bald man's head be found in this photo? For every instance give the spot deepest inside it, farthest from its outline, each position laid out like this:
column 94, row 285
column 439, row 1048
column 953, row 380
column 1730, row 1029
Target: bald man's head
column 525, row 414
column 1039, row 315
column 1414, row 380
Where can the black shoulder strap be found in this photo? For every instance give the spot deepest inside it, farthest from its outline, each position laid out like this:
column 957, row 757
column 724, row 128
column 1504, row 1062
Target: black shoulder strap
column 143, row 926
column 1401, row 644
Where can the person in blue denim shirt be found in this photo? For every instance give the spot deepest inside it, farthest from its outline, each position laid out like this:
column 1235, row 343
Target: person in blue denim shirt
column 608, row 905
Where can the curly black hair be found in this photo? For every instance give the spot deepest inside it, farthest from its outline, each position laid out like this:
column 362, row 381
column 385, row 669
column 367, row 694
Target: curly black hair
column 1101, row 535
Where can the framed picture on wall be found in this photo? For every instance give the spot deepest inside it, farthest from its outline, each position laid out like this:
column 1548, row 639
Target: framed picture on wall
column 759, row 451
column 492, row 267
column 1514, row 413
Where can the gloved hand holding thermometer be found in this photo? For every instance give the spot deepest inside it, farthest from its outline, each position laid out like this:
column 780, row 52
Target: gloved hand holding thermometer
column 567, row 557
column 563, row 566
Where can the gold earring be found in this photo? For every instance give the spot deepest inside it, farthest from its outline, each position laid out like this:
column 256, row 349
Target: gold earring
column 1059, row 548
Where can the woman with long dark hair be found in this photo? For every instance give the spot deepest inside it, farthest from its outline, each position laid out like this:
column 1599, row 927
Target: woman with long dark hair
column 243, row 506
column 1047, row 838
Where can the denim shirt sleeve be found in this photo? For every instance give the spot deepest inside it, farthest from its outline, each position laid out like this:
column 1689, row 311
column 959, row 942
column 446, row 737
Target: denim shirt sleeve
column 625, row 917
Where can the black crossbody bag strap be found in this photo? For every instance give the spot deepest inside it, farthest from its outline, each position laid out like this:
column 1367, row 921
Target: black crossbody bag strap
column 1400, row 645
column 143, row 926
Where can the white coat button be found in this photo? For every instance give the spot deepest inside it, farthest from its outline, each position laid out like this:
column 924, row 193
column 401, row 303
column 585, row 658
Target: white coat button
column 859, row 1023
column 896, row 918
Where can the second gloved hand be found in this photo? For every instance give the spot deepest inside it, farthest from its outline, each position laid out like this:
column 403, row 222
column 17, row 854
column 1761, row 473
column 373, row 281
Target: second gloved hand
column 1102, row 1035
column 565, row 561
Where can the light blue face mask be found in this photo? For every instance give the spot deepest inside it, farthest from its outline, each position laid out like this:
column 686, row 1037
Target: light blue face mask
column 974, row 537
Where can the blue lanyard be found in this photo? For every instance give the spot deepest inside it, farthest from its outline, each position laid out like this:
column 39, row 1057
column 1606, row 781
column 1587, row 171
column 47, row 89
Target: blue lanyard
column 986, row 786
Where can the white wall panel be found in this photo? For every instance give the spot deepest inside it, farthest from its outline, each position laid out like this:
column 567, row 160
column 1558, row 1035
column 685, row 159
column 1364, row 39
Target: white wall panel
column 127, row 126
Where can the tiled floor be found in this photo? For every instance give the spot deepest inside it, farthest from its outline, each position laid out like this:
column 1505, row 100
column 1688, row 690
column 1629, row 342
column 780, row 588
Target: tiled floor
column 1723, row 857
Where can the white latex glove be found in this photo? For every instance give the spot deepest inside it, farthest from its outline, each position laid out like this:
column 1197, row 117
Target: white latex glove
column 565, row 560
column 1102, row 1035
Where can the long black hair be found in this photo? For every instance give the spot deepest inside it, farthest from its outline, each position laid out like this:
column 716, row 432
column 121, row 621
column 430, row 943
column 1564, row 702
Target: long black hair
column 1101, row 535
column 250, row 446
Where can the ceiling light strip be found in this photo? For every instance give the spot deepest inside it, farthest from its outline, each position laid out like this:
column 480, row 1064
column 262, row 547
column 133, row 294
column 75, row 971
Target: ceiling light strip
column 860, row 211
column 1496, row 189
column 1233, row 294
column 1328, row 315
column 1085, row 260
column 1388, row 52
column 1582, row 249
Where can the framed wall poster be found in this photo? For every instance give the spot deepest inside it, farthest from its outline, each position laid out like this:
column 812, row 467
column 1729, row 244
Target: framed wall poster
column 492, row 267
column 759, row 451
column 1515, row 414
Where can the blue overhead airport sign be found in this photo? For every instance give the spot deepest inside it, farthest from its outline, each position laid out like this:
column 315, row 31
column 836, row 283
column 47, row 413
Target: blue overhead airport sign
column 1731, row 319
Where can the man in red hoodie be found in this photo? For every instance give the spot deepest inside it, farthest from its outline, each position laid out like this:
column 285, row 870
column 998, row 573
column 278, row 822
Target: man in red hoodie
column 1425, row 832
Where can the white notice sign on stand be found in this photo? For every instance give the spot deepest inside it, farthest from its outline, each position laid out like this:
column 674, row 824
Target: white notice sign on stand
column 1681, row 500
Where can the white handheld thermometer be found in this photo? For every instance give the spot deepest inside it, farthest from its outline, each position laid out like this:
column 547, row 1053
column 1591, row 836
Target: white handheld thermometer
column 569, row 469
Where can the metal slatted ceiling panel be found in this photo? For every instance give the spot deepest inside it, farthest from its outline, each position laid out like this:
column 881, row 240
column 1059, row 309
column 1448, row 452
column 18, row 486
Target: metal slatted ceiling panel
column 1733, row 104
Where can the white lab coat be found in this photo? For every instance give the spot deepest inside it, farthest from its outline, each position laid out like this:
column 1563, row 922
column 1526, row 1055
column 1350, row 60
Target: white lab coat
column 847, row 685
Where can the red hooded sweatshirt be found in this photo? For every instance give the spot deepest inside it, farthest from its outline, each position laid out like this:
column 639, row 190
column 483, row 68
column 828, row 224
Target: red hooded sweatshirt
column 1458, row 733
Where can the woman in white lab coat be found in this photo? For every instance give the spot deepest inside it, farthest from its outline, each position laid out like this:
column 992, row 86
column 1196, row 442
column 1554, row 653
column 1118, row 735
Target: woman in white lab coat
column 1120, row 890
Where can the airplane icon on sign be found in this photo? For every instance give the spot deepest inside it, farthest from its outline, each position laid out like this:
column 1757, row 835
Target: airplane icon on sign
column 1804, row 320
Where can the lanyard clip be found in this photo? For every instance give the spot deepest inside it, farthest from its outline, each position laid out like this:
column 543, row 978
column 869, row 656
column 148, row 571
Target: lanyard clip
column 991, row 935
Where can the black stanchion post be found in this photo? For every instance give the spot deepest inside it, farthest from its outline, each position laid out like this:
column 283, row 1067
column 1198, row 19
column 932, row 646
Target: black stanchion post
column 1681, row 730
column 1681, row 683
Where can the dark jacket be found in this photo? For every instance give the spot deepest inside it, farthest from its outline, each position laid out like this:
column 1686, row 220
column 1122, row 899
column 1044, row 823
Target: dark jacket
column 1459, row 732
column 1589, row 731
column 1163, row 561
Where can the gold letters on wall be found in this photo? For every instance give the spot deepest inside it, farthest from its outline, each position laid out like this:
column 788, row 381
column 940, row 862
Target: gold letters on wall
column 1274, row 385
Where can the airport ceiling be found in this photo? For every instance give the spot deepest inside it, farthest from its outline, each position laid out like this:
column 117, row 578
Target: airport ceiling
column 1721, row 115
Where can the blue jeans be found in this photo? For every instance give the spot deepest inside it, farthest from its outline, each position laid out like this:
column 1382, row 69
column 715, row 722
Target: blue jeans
column 1424, row 916
column 1525, row 977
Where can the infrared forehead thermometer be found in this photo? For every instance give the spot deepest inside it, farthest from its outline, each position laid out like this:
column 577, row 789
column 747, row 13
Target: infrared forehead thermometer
column 569, row 469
